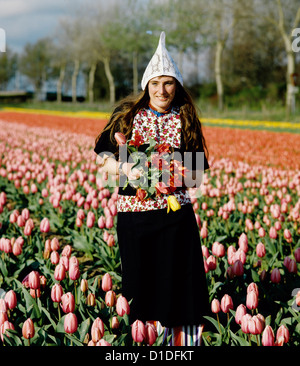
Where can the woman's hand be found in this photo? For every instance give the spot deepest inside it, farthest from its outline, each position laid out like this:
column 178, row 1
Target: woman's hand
column 132, row 174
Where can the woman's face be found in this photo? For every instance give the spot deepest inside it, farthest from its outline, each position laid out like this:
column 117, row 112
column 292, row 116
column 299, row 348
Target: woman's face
column 162, row 92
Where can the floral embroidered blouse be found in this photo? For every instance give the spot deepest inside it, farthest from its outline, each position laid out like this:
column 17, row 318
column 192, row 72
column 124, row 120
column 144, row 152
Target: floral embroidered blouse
column 163, row 128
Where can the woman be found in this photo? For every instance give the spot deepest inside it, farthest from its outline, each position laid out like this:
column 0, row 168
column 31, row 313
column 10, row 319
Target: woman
column 161, row 256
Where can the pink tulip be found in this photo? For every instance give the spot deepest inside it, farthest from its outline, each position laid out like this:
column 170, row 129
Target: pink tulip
column 115, row 324
column 109, row 223
column 3, row 318
column 268, row 336
column 261, row 232
column 56, row 293
column 106, row 282
column 283, row 331
column 54, row 257
column 240, row 312
column 297, row 255
column 59, row 272
column 273, row 233
column 203, row 232
column 103, row 342
column 231, row 254
column 255, row 325
column 54, row 244
column 97, row 330
column 74, row 272
column 138, row 331
column 226, row 303
column 67, row 251
column 218, row 249
column 120, row 138
column 245, row 323
column 10, row 299
column 101, row 222
column 65, row 262
column 277, row 225
column 111, row 240
column 260, row 250
column 17, row 248
column 110, row 298
column 243, row 242
column 205, row 251
column 122, row 306
column 3, row 306
column 240, row 255
column 28, row 329
column 287, row 235
column 6, row 325
column 34, row 280
column 7, row 247
column 260, row 323
column 252, row 300
column 28, row 227
column 20, row 221
column 70, row 323
column 74, row 261
column 90, row 220
column 45, row 225
column 215, row 306
column 150, row 334
column 211, row 263
column 68, row 303
column 252, row 287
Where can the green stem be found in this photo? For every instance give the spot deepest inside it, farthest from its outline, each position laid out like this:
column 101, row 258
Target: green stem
column 59, row 314
column 219, row 323
column 75, row 292
column 257, row 340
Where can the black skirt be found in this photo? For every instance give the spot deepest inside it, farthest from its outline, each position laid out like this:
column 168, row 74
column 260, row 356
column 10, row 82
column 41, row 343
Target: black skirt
column 162, row 266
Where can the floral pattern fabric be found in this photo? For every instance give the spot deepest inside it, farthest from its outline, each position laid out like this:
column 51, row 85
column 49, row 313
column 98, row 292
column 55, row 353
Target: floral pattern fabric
column 132, row 204
column 164, row 128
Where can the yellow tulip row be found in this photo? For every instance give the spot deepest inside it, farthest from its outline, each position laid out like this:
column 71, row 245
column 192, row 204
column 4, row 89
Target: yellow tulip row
column 206, row 121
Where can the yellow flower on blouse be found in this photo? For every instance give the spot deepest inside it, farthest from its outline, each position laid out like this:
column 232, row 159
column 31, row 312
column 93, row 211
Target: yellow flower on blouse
column 173, row 204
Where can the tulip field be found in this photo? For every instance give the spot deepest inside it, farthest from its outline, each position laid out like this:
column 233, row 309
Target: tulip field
column 60, row 269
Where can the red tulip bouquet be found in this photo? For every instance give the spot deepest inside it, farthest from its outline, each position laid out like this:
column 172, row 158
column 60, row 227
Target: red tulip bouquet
column 158, row 171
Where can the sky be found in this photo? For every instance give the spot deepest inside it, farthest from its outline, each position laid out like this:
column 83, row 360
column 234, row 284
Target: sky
column 26, row 21
column 29, row 20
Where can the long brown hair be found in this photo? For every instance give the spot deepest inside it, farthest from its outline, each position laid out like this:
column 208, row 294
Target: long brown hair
column 121, row 119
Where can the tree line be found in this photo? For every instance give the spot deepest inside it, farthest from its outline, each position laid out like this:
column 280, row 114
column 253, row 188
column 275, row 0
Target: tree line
column 247, row 45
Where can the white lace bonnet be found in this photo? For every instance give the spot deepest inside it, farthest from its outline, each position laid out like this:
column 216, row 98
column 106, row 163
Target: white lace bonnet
column 161, row 64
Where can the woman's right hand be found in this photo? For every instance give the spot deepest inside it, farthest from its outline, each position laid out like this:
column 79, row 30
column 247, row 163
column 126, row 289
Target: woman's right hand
column 132, row 174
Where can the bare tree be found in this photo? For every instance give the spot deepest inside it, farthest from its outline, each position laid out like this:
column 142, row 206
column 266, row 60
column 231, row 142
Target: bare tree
column 71, row 41
column 285, row 16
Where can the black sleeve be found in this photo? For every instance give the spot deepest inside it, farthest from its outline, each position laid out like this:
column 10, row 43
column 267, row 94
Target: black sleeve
column 203, row 159
column 104, row 144
column 195, row 159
